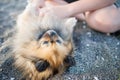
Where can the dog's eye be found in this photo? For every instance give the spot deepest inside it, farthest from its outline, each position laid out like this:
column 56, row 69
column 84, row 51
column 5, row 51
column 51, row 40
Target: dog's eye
column 58, row 41
column 44, row 44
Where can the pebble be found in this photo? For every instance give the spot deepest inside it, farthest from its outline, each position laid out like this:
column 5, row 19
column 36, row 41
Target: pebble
column 84, row 22
column 84, row 26
column 89, row 34
column 96, row 78
column 87, row 45
column 103, row 59
column 0, row 69
column 12, row 78
column 118, row 43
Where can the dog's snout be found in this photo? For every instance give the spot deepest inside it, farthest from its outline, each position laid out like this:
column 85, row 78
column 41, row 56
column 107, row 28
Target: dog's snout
column 51, row 36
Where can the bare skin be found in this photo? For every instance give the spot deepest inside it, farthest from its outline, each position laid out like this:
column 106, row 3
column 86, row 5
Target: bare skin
column 101, row 15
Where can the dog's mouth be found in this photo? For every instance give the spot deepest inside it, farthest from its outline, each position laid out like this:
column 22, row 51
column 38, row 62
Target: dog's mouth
column 50, row 37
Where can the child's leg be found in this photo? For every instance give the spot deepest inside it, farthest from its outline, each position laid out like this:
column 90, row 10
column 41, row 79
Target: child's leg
column 105, row 20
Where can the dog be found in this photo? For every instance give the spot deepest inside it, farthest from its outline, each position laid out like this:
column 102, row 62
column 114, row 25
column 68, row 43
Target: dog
column 42, row 44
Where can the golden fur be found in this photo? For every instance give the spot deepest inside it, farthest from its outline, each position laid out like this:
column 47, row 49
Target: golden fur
column 29, row 47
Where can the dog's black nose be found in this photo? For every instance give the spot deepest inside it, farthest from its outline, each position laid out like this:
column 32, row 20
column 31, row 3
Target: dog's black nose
column 52, row 33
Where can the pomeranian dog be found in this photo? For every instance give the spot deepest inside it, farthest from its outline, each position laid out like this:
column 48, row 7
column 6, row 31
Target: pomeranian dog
column 43, row 44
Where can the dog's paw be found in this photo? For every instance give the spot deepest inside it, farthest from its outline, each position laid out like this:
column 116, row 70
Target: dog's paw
column 41, row 65
column 70, row 61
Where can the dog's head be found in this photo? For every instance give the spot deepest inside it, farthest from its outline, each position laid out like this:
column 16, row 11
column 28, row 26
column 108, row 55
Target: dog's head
column 43, row 45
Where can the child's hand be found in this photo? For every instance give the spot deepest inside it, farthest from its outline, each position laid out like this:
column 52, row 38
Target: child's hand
column 58, row 10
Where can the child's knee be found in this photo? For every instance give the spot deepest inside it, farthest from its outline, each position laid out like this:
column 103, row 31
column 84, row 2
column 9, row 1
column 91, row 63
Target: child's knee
column 103, row 24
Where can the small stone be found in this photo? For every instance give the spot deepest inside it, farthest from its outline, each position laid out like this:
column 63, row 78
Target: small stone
column 84, row 26
column 84, row 22
column 118, row 43
column 69, row 78
column 108, row 34
column 87, row 45
column 96, row 78
column 103, row 59
column 89, row 34
column 0, row 69
column 116, row 48
column 12, row 78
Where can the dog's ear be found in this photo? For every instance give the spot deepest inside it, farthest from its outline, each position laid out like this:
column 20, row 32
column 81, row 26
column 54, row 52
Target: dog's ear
column 69, row 61
column 70, row 22
column 41, row 65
